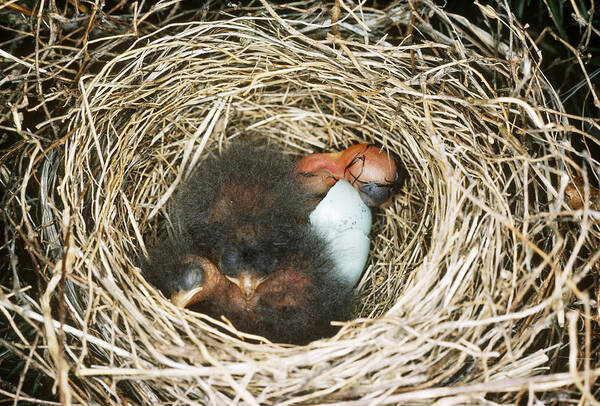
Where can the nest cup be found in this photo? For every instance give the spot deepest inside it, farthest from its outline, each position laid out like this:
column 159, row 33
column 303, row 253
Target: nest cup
column 469, row 264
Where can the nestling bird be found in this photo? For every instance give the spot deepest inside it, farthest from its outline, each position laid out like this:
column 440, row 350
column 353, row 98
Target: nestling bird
column 244, row 246
column 375, row 173
column 244, row 249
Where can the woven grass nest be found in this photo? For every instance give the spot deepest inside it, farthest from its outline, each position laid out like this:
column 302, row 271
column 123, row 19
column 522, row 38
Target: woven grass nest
column 474, row 266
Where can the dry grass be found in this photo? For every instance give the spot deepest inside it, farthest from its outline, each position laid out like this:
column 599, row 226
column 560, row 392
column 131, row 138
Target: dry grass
column 475, row 284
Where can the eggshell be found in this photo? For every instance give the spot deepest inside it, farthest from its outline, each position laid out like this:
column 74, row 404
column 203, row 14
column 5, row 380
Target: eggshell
column 351, row 251
column 344, row 221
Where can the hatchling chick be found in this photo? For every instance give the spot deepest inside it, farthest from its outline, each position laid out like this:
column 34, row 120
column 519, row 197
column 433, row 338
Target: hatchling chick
column 243, row 249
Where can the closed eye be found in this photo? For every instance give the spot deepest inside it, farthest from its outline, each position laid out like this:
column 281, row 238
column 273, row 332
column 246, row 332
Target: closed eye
column 230, row 261
column 265, row 261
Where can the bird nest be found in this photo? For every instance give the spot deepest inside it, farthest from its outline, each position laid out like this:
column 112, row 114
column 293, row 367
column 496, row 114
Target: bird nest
column 474, row 284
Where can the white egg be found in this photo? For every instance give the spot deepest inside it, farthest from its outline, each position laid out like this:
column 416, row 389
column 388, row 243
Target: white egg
column 344, row 221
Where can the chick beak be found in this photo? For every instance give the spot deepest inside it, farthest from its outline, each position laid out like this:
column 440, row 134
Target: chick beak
column 247, row 283
column 187, row 298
